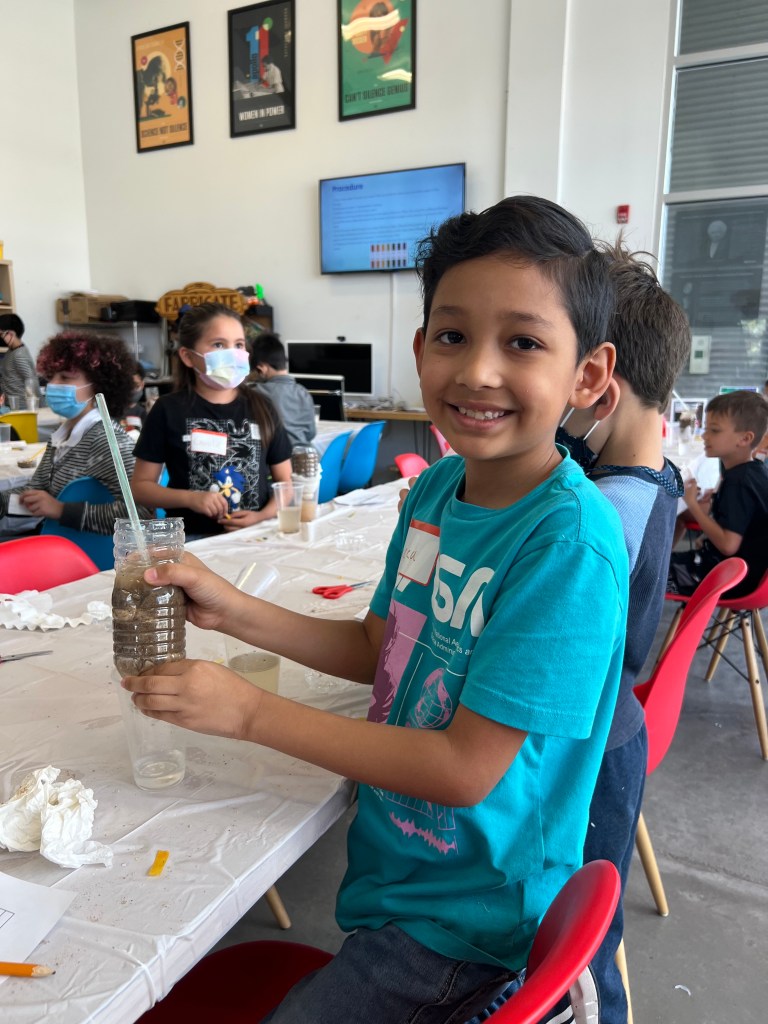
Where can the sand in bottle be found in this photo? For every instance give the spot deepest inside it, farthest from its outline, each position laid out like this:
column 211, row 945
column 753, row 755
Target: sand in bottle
column 148, row 630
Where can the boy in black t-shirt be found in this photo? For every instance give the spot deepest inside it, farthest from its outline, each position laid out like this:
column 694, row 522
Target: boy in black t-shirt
column 737, row 522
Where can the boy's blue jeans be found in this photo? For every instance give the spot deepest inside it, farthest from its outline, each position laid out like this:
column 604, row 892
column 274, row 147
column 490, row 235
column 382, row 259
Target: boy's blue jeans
column 613, row 818
column 386, row 977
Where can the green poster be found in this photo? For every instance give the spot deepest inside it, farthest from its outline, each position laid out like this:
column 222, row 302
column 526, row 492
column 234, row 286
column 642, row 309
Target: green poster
column 377, row 57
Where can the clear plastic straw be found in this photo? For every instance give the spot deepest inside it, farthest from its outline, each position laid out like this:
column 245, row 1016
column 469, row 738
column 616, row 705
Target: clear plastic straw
column 122, row 476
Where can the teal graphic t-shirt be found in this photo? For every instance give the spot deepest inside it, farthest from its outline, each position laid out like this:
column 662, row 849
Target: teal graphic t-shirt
column 519, row 614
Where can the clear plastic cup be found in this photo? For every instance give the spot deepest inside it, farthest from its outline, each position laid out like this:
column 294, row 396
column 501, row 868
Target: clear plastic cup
column 288, row 497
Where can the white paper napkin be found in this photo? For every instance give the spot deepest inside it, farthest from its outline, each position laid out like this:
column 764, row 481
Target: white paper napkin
column 55, row 818
column 32, row 610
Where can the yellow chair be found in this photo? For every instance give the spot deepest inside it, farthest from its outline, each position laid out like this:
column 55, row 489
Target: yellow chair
column 24, row 422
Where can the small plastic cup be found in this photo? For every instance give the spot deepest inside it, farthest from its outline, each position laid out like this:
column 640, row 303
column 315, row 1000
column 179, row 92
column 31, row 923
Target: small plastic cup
column 32, row 403
column 288, row 497
column 156, row 749
column 261, row 668
column 5, row 435
column 310, row 486
column 15, row 404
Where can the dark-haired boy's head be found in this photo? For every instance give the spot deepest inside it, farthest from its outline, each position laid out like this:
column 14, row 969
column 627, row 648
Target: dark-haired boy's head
column 267, row 349
column 532, row 231
column 648, row 328
column 747, row 411
column 12, row 322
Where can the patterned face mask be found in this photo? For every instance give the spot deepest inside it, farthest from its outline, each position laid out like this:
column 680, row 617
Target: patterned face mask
column 224, row 368
column 577, row 447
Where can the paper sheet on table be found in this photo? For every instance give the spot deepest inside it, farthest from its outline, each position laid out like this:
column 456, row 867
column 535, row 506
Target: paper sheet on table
column 27, row 914
column 372, row 498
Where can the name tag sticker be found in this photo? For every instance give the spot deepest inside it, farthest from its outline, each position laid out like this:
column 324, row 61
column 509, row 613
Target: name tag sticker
column 15, row 507
column 255, row 432
column 210, row 441
column 422, row 546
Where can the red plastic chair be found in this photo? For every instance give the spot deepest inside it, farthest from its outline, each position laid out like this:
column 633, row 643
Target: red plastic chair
column 442, row 444
column 37, row 563
column 662, row 694
column 738, row 613
column 241, row 984
column 410, row 464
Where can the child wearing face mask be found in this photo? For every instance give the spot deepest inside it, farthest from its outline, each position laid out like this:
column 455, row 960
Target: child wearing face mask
column 220, row 440
column 77, row 366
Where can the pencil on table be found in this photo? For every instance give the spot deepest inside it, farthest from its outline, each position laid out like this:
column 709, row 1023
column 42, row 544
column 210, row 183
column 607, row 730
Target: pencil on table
column 26, row 970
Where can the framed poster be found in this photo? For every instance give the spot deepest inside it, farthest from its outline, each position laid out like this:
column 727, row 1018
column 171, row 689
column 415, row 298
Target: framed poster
column 377, row 57
column 262, row 89
column 162, row 88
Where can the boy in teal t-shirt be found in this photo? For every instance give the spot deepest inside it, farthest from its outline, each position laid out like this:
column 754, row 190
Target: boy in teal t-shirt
column 489, row 713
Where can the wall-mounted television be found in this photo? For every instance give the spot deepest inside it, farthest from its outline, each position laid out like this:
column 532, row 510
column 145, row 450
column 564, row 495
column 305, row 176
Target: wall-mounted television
column 370, row 223
column 353, row 360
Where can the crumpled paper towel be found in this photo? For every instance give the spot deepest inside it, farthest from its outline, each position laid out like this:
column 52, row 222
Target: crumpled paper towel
column 54, row 817
column 32, row 610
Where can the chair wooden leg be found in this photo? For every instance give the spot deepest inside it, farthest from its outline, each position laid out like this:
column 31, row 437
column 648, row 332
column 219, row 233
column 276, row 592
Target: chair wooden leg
column 670, row 632
column 724, row 621
column 757, row 622
column 277, row 907
column 754, row 684
column 621, row 963
column 650, row 867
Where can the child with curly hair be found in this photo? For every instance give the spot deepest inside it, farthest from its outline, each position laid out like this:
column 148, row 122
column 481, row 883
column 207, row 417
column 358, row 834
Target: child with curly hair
column 77, row 365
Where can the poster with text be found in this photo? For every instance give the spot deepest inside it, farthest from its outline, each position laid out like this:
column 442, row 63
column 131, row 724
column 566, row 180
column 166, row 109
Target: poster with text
column 162, row 88
column 262, row 91
column 377, row 57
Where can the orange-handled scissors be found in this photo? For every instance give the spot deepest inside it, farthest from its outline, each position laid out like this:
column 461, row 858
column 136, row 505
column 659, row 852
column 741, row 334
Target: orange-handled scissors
column 334, row 592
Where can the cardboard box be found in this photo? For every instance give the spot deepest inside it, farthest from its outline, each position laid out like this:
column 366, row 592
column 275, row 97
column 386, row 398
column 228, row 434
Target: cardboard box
column 82, row 309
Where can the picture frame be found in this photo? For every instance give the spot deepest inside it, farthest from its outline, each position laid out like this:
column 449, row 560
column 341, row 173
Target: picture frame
column 262, row 67
column 694, row 405
column 162, row 78
column 377, row 62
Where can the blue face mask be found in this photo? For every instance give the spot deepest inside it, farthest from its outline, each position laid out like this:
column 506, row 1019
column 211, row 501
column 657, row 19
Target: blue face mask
column 577, row 447
column 62, row 398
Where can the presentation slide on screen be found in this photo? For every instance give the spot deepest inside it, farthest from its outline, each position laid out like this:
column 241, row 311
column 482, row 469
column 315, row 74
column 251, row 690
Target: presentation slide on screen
column 373, row 222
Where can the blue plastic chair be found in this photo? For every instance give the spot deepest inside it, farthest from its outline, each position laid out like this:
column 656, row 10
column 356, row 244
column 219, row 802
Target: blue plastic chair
column 98, row 546
column 360, row 460
column 331, row 461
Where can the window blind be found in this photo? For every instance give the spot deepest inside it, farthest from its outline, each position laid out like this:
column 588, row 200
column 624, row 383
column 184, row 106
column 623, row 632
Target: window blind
column 720, row 130
column 718, row 24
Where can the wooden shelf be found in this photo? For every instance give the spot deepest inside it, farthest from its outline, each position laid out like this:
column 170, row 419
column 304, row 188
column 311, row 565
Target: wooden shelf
column 7, row 296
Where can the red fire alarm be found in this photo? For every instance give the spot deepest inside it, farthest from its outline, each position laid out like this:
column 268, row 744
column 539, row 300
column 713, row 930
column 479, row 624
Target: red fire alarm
column 622, row 214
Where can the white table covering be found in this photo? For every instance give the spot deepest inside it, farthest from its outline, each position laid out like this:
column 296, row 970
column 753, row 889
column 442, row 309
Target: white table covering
column 11, row 474
column 242, row 815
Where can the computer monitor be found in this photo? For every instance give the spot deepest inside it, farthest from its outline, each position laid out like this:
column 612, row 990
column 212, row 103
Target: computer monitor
column 351, row 360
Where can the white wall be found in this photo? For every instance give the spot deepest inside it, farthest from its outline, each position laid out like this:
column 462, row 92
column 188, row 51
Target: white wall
column 237, row 211
column 42, row 201
column 614, row 104
column 586, row 100
column 562, row 97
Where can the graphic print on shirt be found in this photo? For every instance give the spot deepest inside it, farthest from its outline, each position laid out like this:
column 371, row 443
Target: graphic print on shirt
column 243, row 455
column 419, row 681
column 404, row 656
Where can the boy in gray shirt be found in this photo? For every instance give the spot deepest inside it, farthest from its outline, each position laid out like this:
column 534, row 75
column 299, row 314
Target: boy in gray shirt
column 292, row 401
